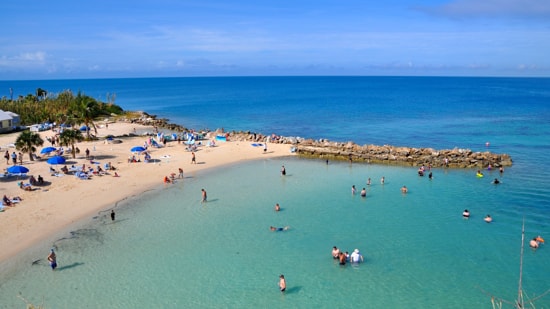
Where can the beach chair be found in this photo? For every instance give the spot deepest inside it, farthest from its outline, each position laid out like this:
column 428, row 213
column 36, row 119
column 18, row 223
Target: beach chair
column 82, row 175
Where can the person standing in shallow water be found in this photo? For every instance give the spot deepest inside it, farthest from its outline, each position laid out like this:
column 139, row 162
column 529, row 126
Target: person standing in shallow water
column 283, row 170
column 112, row 215
column 203, row 196
column 282, row 283
column 52, row 259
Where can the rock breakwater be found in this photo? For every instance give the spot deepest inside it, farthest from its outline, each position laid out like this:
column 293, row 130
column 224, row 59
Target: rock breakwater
column 329, row 150
column 386, row 154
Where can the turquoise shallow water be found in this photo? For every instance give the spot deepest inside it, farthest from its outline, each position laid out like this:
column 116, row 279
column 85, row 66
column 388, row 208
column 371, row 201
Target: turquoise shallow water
column 167, row 250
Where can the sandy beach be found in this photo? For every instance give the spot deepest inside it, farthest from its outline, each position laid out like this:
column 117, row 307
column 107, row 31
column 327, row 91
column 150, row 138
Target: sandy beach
column 65, row 200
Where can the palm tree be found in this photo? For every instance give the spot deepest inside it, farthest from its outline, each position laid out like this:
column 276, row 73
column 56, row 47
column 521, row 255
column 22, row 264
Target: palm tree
column 85, row 109
column 69, row 137
column 26, row 142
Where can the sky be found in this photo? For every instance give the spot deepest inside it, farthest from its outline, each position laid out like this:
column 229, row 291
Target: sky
column 64, row 39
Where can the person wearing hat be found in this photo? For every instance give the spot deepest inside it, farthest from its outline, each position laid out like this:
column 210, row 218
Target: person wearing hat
column 52, row 259
column 356, row 256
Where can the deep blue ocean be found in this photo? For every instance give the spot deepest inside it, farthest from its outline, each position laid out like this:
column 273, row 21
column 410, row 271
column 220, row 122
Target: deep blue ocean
column 434, row 112
column 421, row 253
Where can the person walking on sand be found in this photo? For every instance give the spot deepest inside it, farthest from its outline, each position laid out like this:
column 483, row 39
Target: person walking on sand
column 52, row 259
column 282, row 283
column 265, row 147
column 180, row 170
column 203, row 196
column 193, row 158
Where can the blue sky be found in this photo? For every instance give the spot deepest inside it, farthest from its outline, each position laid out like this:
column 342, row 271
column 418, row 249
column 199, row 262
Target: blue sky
column 88, row 39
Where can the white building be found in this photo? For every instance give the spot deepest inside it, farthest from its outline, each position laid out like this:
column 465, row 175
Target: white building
column 8, row 121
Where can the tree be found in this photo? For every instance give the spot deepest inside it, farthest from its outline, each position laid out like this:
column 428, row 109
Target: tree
column 69, row 137
column 41, row 93
column 26, row 142
column 83, row 110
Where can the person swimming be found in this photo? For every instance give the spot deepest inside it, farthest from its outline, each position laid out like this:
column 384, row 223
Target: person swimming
column 356, row 256
column 278, row 229
column 534, row 243
column 364, row 192
column 488, row 219
column 342, row 258
column 335, row 252
column 466, row 214
column 496, row 181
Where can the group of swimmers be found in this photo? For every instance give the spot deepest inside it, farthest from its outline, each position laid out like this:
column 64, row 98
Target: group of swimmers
column 354, row 191
column 363, row 192
column 343, row 257
column 466, row 215
column 422, row 169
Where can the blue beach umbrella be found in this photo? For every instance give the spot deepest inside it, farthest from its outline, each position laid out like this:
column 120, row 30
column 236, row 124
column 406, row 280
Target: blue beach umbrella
column 17, row 169
column 84, row 128
column 47, row 150
column 56, row 160
column 137, row 149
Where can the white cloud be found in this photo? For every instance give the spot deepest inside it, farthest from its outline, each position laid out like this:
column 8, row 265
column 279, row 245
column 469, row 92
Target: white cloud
column 23, row 60
column 31, row 57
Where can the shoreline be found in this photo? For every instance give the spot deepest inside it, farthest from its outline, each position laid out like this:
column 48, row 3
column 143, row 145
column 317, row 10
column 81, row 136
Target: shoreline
column 67, row 201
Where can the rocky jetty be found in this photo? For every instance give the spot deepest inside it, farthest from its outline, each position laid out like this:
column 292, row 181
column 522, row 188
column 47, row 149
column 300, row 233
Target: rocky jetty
column 329, row 150
column 454, row 158
column 391, row 155
column 144, row 118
